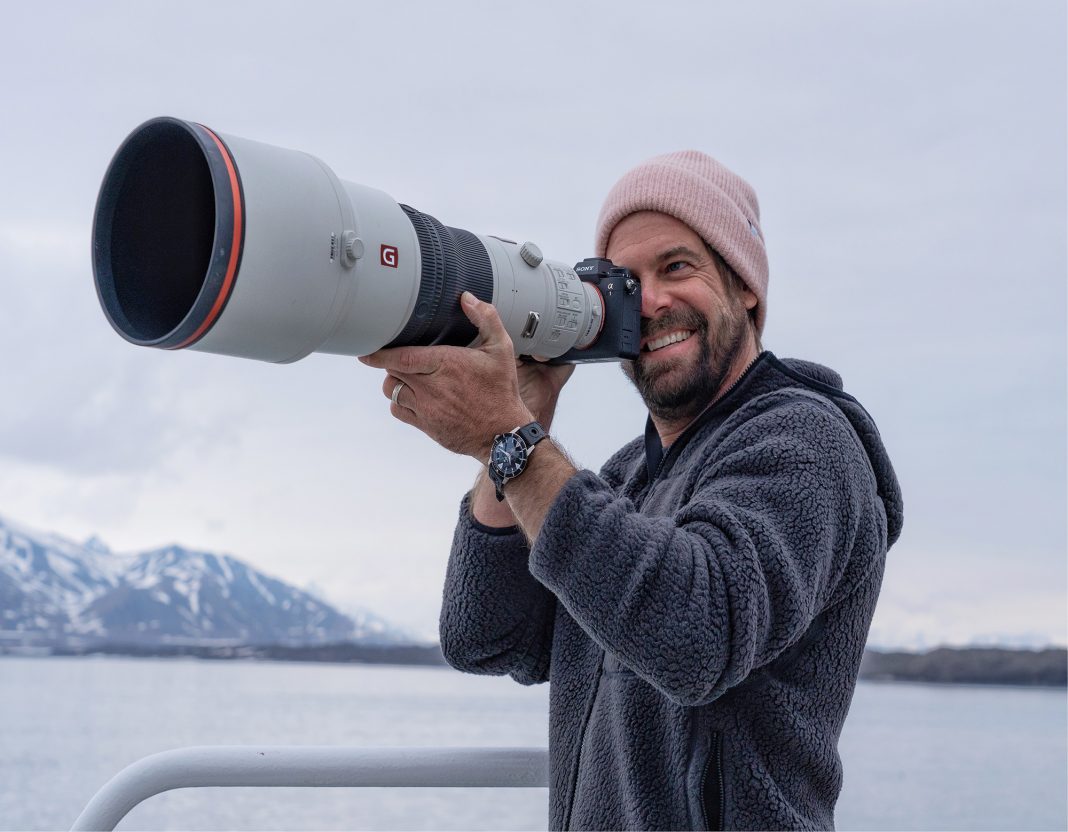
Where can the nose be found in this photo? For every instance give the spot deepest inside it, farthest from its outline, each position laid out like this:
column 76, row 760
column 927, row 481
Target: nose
column 655, row 298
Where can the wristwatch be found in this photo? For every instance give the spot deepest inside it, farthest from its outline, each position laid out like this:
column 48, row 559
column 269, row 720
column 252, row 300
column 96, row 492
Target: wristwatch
column 509, row 453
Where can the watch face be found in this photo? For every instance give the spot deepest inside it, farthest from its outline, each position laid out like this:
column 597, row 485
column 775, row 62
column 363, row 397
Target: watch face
column 508, row 455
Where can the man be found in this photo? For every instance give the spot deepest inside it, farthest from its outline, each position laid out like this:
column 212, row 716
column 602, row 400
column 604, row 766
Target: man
column 701, row 606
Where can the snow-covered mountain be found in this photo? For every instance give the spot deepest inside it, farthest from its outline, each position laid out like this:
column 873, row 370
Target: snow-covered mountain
column 55, row 591
column 370, row 627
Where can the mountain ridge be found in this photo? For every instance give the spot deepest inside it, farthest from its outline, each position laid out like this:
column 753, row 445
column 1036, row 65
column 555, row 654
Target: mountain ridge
column 54, row 591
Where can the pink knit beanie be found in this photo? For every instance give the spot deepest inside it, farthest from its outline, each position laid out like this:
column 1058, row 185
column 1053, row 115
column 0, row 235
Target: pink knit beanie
column 716, row 203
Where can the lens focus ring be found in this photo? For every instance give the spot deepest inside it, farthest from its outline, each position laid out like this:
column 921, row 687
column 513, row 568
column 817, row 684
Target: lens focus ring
column 453, row 261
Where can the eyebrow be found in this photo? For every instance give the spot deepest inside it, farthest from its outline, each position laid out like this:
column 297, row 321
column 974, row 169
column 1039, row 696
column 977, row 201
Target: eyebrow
column 675, row 252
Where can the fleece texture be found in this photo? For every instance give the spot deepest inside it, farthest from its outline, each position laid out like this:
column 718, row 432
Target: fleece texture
column 701, row 624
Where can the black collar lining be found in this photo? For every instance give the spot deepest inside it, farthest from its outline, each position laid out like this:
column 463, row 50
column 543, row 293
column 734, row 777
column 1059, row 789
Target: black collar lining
column 656, row 459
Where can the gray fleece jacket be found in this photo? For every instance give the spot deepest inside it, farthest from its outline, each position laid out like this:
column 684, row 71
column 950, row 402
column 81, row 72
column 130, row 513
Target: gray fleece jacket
column 700, row 613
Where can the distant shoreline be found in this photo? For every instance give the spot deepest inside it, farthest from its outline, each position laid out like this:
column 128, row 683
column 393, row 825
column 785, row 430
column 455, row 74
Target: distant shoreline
column 340, row 653
column 1047, row 667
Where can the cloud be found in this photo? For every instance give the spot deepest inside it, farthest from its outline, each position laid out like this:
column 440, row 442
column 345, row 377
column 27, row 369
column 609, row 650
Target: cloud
column 909, row 160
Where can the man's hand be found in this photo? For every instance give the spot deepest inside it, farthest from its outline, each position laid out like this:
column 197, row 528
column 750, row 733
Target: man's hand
column 540, row 385
column 462, row 397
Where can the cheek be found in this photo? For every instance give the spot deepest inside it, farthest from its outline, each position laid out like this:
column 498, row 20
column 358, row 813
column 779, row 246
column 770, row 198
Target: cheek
column 722, row 307
column 730, row 320
column 704, row 296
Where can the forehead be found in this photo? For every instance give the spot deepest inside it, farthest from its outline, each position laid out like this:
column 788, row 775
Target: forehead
column 638, row 238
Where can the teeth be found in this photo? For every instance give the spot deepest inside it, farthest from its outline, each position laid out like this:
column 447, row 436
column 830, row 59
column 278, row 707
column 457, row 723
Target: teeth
column 670, row 338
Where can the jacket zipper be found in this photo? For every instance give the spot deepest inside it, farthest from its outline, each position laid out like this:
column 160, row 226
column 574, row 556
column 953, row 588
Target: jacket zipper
column 713, row 822
column 737, row 381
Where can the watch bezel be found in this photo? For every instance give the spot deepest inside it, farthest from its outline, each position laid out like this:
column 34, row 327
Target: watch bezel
column 522, row 450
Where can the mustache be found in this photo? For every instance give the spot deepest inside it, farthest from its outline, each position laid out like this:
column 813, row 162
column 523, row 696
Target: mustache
column 670, row 321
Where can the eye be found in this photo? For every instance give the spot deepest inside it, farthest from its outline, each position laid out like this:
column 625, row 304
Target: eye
column 676, row 266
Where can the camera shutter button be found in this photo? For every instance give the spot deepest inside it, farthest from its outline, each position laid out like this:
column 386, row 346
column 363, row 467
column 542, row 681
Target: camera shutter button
column 531, row 254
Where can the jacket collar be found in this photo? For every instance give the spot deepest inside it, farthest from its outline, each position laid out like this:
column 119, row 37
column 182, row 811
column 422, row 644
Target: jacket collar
column 655, row 455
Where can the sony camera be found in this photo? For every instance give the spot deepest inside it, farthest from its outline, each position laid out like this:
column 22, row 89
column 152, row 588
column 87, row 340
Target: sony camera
column 221, row 244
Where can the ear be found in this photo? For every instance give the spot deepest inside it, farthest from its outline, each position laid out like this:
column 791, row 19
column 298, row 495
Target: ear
column 748, row 297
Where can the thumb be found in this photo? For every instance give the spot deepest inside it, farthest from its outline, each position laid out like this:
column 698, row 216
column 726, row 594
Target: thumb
column 484, row 316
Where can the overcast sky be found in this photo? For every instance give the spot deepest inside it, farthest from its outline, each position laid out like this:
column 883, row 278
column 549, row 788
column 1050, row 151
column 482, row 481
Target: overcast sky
column 910, row 163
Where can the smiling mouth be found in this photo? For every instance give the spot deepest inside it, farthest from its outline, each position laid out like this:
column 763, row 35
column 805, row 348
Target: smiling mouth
column 654, row 344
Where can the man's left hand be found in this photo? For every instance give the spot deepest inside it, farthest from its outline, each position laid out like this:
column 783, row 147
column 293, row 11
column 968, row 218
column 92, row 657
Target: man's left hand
column 461, row 397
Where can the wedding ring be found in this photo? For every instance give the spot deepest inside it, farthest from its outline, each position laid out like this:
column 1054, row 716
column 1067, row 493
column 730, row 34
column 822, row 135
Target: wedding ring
column 396, row 392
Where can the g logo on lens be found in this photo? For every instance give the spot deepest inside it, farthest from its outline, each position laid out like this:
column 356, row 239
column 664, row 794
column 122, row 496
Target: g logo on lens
column 389, row 256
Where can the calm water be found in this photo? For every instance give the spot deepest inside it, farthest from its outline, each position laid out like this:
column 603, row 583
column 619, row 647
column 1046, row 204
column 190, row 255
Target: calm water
column 916, row 757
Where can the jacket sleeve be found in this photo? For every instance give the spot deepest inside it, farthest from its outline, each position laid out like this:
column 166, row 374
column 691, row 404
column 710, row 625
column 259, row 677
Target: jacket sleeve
column 694, row 602
column 495, row 617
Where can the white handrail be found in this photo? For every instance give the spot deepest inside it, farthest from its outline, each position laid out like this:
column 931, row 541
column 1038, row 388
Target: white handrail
column 313, row 766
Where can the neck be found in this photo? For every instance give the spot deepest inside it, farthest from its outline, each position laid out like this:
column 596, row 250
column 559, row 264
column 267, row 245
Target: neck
column 671, row 429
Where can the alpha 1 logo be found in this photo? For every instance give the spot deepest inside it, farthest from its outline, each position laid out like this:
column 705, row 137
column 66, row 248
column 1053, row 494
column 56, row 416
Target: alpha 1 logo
column 388, row 256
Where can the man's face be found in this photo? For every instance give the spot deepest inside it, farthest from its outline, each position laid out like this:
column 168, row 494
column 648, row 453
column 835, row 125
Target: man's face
column 694, row 325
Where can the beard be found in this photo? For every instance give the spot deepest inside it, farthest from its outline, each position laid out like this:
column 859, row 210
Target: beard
column 673, row 391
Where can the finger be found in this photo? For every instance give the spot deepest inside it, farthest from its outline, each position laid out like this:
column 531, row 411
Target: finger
column 400, row 392
column 391, row 379
column 405, row 415
column 389, row 383
column 484, row 316
column 409, row 360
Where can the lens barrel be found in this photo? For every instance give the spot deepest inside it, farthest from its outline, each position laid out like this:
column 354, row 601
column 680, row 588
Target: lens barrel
column 225, row 245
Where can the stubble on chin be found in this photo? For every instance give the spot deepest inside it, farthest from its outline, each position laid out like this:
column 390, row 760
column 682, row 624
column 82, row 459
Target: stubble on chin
column 674, row 392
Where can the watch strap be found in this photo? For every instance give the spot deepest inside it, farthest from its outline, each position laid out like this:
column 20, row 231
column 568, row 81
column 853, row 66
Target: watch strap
column 532, row 434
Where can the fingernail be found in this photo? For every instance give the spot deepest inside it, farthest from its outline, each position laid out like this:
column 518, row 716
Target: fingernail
column 469, row 299
column 362, row 359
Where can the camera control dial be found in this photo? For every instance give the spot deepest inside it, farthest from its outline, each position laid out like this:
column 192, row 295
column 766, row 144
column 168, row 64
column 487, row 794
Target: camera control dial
column 531, row 254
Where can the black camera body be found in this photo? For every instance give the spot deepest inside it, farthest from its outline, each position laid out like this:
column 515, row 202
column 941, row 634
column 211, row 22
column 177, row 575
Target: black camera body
column 621, row 293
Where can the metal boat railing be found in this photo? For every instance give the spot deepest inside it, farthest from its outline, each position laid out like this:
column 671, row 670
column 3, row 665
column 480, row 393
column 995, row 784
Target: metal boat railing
column 311, row 766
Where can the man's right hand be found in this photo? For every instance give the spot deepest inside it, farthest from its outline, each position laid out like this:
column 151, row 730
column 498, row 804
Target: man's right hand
column 539, row 386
